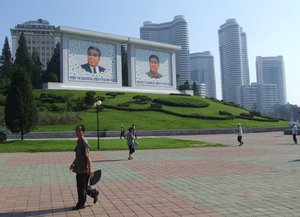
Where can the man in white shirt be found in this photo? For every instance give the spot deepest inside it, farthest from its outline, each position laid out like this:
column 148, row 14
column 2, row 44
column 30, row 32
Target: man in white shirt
column 294, row 133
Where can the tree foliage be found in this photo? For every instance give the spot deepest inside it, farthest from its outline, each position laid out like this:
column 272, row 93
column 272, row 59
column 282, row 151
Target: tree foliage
column 6, row 66
column 36, row 78
column 5, row 60
column 124, row 67
column 22, row 55
column 195, row 89
column 89, row 98
column 53, row 67
column 185, row 86
column 21, row 113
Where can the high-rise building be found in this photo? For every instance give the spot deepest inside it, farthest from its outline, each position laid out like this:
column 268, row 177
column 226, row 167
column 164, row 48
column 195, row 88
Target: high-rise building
column 258, row 97
column 270, row 70
column 174, row 32
column 40, row 36
column 203, row 71
column 233, row 59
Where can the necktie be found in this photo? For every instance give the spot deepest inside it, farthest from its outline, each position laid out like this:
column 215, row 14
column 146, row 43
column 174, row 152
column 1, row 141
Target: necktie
column 94, row 70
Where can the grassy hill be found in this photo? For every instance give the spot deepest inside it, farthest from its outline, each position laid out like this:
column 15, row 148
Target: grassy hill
column 61, row 110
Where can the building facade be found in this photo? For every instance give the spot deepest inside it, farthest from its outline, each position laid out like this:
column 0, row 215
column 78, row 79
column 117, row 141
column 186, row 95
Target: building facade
column 258, row 97
column 93, row 61
column 233, row 59
column 40, row 36
column 270, row 70
column 176, row 33
column 203, row 71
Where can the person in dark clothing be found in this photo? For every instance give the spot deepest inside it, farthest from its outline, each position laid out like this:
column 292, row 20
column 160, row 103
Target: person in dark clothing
column 130, row 142
column 122, row 133
column 83, row 168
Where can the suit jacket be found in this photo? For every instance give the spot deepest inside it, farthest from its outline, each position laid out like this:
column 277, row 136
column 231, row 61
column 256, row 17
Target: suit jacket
column 87, row 68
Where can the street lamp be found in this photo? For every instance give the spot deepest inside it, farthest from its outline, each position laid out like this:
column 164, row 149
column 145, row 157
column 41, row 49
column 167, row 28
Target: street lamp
column 97, row 106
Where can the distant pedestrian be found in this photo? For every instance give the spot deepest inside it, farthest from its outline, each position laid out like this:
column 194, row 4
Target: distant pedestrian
column 4, row 130
column 131, row 143
column 82, row 166
column 294, row 133
column 240, row 134
column 122, row 133
column 134, row 130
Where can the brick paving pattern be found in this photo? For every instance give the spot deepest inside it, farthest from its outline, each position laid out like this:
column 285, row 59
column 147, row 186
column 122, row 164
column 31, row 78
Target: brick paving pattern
column 260, row 178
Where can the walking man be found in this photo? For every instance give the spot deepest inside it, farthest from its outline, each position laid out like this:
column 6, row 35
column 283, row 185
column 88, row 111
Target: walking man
column 83, row 168
column 240, row 134
column 294, row 132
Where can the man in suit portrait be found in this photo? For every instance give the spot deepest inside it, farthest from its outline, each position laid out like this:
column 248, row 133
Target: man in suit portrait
column 154, row 67
column 93, row 57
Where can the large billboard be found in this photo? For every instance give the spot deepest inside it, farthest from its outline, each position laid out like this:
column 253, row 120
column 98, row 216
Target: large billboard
column 153, row 67
column 91, row 61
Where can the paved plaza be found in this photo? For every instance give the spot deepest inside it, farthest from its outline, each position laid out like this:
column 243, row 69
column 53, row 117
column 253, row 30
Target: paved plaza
column 261, row 178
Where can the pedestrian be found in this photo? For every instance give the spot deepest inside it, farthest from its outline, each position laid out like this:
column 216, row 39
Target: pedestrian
column 294, row 133
column 134, row 131
column 122, row 133
column 131, row 143
column 82, row 166
column 240, row 134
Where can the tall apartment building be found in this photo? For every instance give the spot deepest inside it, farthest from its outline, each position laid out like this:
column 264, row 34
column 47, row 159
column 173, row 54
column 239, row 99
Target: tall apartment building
column 233, row 59
column 40, row 36
column 270, row 70
column 259, row 97
column 174, row 32
column 203, row 71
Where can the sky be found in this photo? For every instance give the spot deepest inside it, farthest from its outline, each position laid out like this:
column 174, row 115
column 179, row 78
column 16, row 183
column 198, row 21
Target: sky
column 272, row 26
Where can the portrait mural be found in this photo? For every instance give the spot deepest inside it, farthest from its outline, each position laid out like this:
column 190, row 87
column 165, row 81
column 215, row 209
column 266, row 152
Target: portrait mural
column 91, row 61
column 153, row 67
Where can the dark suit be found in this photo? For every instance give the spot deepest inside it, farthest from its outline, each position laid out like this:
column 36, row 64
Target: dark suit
column 87, row 68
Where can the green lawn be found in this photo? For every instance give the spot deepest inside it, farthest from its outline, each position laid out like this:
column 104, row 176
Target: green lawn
column 112, row 119
column 105, row 144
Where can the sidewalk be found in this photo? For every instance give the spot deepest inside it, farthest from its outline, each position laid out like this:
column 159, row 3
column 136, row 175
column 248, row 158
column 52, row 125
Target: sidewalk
column 260, row 178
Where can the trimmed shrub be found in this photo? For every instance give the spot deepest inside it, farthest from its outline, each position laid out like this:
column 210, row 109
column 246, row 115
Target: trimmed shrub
column 247, row 115
column 52, row 98
column 182, row 102
column 89, row 98
column 155, row 106
column 114, row 94
column 224, row 113
column 141, row 99
column 76, row 105
column 123, row 105
column 255, row 113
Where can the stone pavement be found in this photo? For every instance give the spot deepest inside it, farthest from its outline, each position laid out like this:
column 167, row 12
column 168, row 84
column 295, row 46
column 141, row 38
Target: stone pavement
column 260, row 178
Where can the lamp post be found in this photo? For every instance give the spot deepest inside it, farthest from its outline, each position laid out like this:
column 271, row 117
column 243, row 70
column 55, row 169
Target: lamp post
column 97, row 105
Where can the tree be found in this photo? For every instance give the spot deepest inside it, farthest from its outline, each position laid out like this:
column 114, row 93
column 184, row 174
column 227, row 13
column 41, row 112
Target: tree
column 21, row 113
column 185, row 86
column 124, row 66
column 5, row 60
column 89, row 98
column 195, row 89
column 6, row 67
column 22, row 55
column 53, row 66
column 36, row 78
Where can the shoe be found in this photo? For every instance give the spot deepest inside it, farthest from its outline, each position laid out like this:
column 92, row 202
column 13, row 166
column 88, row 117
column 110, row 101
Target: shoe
column 96, row 197
column 78, row 207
